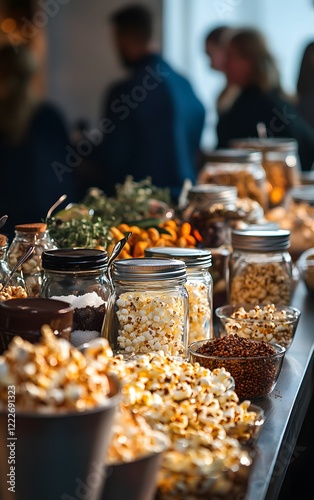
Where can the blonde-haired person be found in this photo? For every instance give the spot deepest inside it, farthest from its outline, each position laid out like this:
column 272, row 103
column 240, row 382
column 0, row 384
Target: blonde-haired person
column 252, row 67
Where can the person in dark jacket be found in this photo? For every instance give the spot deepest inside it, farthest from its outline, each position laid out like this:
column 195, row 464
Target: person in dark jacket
column 33, row 136
column 153, row 119
column 262, row 100
column 305, row 85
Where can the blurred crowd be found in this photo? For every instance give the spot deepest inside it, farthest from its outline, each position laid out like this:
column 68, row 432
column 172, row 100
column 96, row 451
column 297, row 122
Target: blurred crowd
column 150, row 123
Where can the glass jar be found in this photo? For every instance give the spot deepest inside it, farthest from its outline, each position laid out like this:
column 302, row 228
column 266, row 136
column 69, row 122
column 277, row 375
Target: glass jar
column 199, row 284
column 260, row 268
column 281, row 163
column 149, row 308
column 240, row 168
column 78, row 276
column 4, row 268
column 31, row 271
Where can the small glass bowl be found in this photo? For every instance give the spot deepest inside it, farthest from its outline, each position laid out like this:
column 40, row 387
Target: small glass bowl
column 254, row 376
column 247, row 432
column 278, row 330
column 305, row 264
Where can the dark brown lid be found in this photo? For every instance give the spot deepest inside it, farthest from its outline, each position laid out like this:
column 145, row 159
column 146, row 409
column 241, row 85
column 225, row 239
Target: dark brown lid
column 35, row 227
column 28, row 315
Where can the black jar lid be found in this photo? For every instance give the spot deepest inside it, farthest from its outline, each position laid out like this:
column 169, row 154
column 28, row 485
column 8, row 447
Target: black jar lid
column 28, row 315
column 74, row 259
column 235, row 155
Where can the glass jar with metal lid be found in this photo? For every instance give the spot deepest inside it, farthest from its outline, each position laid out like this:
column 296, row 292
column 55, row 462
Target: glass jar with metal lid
column 78, row 276
column 281, row 163
column 149, row 308
column 240, row 168
column 260, row 268
column 31, row 271
column 199, row 285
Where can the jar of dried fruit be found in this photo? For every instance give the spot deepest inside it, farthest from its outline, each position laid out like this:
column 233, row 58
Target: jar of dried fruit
column 31, row 271
column 199, row 284
column 79, row 276
column 260, row 268
column 149, row 308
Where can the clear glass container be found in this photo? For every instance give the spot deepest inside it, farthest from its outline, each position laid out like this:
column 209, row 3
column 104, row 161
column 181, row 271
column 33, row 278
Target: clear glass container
column 79, row 276
column 149, row 308
column 260, row 268
column 199, row 284
column 31, row 271
column 281, row 163
column 4, row 268
column 240, row 168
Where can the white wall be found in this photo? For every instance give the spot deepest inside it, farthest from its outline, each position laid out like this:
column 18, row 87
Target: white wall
column 287, row 24
column 81, row 57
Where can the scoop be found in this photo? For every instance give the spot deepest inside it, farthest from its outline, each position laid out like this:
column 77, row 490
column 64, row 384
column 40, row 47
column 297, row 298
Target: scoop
column 55, row 205
column 3, row 220
column 117, row 249
column 24, row 257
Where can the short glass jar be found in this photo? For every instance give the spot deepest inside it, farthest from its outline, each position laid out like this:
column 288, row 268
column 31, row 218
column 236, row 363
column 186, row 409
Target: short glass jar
column 260, row 268
column 31, row 271
column 4, row 268
column 199, row 284
column 78, row 276
column 281, row 163
column 235, row 167
column 149, row 308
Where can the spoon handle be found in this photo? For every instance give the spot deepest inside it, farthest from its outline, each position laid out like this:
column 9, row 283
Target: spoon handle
column 24, row 257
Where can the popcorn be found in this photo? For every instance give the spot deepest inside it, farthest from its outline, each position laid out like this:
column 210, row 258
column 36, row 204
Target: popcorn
column 199, row 311
column 12, row 292
column 53, row 376
column 133, row 438
column 151, row 323
column 263, row 323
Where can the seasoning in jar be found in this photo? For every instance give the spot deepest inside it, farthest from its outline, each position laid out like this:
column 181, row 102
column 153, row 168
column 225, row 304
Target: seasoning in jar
column 31, row 271
column 148, row 310
column 199, row 285
column 260, row 268
column 240, row 168
column 78, row 276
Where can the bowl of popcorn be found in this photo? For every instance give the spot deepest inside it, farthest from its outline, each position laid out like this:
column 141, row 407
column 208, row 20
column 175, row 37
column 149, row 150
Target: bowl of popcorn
column 305, row 264
column 133, row 458
column 254, row 365
column 56, row 413
column 272, row 323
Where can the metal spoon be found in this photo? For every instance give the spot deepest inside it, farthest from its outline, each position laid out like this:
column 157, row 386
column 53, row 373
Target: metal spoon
column 21, row 261
column 116, row 251
column 55, row 205
column 3, row 220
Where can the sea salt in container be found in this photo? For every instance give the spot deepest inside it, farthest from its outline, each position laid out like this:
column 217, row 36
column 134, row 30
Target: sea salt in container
column 199, row 285
column 79, row 277
column 149, row 308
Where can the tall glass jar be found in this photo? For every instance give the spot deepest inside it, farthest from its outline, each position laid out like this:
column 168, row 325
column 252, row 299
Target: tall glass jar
column 78, row 276
column 281, row 163
column 260, row 268
column 31, row 271
column 149, row 308
column 235, row 167
column 199, row 284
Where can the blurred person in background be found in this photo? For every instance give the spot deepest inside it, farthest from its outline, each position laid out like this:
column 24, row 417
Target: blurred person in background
column 216, row 44
column 305, row 85
column 154, row 119
column 251, row 66
column 33, row 135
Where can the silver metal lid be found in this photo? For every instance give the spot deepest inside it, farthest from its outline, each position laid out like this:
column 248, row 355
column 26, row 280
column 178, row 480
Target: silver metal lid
column 209, row 194
column 193, row 257
column 267, row 144
column 149, row 269
column 261, row 241
column 233, row 156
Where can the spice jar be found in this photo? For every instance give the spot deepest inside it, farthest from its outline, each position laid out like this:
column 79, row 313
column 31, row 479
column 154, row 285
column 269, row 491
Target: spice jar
column 31, row 271
column 260, row 268
column 149, row 308
column 281, row 163
column 25, row 317
column 240, row 168
column 199, row 284
column 78, row 276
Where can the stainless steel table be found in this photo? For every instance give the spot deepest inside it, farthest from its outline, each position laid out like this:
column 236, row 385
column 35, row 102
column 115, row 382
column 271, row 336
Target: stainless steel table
column 286, row 407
